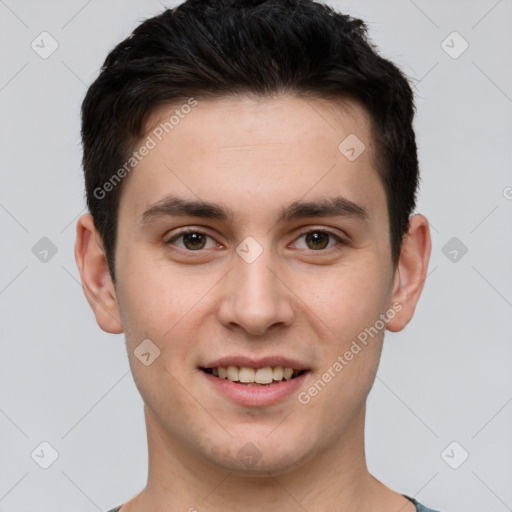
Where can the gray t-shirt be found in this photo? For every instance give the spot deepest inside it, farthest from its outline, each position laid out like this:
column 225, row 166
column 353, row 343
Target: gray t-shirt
column 419, row 506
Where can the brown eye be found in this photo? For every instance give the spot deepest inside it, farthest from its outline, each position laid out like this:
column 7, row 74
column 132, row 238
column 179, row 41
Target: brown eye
column 317, row 240
column 192, row 240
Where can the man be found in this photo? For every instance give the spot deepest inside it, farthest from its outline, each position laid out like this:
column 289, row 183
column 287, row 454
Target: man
column 251, row 171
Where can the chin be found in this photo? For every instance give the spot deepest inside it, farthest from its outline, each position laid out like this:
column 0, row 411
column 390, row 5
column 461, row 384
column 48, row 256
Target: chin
column 254, row 456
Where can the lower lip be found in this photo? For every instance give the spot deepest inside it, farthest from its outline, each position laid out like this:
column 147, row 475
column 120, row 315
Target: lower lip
column 256, row 395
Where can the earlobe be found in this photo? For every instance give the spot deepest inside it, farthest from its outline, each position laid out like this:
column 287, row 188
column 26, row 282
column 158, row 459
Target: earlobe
column 411, row 272
column 96, row 280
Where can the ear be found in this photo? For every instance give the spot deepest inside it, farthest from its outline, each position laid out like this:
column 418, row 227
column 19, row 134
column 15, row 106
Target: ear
column 411, row 271
column 96, row 281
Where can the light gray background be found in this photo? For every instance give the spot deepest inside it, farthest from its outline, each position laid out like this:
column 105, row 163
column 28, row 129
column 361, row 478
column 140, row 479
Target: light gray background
column 447, row 377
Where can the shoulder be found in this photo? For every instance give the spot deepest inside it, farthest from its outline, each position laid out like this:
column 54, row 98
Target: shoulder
column 422, row 508
column 419, row 506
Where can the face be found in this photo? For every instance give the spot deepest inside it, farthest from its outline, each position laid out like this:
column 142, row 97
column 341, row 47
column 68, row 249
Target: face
column 257, row 279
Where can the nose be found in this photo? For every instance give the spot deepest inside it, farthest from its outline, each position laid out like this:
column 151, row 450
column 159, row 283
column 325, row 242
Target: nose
column 255, row 296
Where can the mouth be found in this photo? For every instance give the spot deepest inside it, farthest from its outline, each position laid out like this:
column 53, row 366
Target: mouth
column 264, row 376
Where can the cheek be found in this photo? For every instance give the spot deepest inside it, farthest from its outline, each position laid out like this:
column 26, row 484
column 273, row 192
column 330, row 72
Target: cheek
column 151, row 298
column 349, row 300
column 162, row 305
column 351, row 305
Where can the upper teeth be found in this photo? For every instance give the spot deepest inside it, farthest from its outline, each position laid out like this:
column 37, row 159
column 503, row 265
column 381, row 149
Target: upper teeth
column 260, row 375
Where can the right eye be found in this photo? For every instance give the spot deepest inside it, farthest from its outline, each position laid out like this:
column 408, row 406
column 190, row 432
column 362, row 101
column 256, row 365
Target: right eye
column 192, row 240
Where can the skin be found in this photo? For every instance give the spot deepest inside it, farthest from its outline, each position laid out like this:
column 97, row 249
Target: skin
column 255, row 156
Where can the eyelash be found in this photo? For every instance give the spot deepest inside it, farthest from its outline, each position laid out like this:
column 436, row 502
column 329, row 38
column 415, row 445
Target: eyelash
column 338, row 239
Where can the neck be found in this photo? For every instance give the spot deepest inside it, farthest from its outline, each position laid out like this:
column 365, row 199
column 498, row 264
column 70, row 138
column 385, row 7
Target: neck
column 335, row 479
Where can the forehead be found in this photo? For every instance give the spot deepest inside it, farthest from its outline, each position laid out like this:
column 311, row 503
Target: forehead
column 244, row 121
column 267, row 151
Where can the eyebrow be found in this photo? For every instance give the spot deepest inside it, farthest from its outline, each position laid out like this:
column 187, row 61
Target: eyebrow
column 174, row 206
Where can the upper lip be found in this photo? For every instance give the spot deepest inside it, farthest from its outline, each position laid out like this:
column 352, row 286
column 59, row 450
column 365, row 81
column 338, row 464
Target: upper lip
column 249, row 362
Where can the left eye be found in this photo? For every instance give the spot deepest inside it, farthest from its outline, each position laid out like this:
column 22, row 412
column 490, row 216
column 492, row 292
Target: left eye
column 318, row 240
